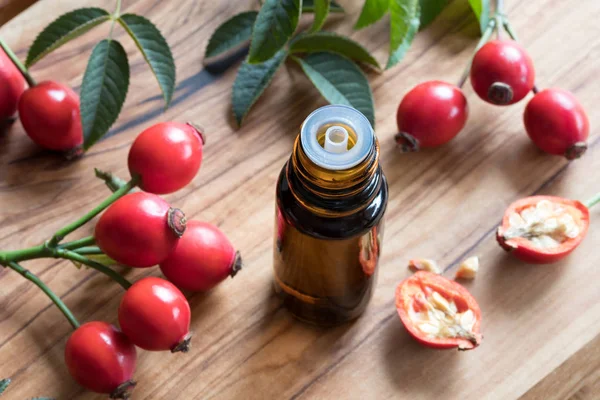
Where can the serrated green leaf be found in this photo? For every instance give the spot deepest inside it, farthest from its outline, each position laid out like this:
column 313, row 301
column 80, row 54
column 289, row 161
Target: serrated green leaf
column 481, row 8
column 321, row 12
column 372, row 11
column 231, row 34
column 4, row 384
column 340, row 81
column 103, row 90
column 276, row 22
column 404, row 24
column 308, row 6
column 430, row 9
column 155, row 50
column 332, row 43
column 251, row 81
column 63, row 29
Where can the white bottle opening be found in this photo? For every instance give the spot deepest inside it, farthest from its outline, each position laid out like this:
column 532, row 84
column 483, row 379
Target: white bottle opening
column 336, row 139
column 334, row 153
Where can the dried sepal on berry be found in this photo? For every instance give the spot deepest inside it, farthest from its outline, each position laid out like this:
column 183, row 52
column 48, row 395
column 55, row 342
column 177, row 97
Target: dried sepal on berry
column 424, row 264
column 468, row 268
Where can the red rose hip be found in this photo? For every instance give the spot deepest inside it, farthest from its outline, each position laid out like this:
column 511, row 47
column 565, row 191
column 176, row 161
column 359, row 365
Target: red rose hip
column 101, row 358
column 166, row 156
column 139, row 230
column 557, row 123
column 502, row 72
column 12, row 86
column 203, row 258
column 155, row 315
column 438, row 313
column 50, row 115
column 430, row 114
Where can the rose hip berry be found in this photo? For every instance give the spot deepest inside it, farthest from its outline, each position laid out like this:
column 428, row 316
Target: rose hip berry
column 101, row 358
column 438, row 312
column 50, row 115
column 202, row 259
column 430, row 114
column 155, row 315
column 543, row 229
column 12, row 86
column 139, row 230
column 166, row 156
column 502, row 72
column 557, row 123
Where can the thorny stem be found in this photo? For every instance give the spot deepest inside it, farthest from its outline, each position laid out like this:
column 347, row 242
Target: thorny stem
column 15, row 60
column 593, row 201
column 55, row 299
column 484, row 38
column 61, row 233
column 71, row 255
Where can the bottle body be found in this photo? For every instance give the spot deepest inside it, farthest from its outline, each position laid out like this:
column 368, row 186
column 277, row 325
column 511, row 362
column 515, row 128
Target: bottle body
column 323, row 277
column 331, row 199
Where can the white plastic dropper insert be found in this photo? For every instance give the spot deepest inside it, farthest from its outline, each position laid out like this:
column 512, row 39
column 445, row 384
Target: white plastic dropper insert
column 334, row 155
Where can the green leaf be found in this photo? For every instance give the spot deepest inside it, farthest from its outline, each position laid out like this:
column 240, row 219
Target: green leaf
column 430, row 9
column 155, row 50
column 66, row 27
column 308, row 6
column 321, row 12
column 333, row 43
column 276, row 22
column 4, row 384
column 372, row 11
column 340, row 81
column 103, row 90
column 250, row 83
column 481, row 8
column 231, row 34
column 404, row 24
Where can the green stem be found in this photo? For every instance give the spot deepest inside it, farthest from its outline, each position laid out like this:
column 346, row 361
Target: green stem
column 116, row 15
column 70, row 255
column 484, row 38
column 112, row 181
column 593, row 201
column 24, row 254
column 38, row 282
column 61, row 233
column 15, row 60
column 89, row 250
column 76, row 244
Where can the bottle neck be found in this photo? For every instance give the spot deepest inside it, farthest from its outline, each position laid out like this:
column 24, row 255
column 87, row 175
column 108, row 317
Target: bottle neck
column 334, row 193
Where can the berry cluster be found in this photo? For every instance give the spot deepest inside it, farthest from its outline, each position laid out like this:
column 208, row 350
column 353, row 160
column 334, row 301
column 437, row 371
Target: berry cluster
column 139, row 229
column 501, row 73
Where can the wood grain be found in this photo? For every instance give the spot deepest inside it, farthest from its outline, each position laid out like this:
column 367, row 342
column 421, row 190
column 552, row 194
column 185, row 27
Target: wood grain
column 541, row 324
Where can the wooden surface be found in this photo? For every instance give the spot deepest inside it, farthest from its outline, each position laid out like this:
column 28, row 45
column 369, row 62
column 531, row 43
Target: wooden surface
column 541, row 324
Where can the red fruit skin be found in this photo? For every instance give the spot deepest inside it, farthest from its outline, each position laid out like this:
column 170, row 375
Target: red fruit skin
column 447, row 288
column 167, row 156
column 100, row 357
column 203, row 258
column 134, row 230
column 506, row 62
column 432, row 112
column 12, row 86
column 154, row 314
column 555, row 121
column 50, row 115
column 523, row 249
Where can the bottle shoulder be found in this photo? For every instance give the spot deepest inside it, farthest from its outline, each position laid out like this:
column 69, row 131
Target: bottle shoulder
column 340, row 227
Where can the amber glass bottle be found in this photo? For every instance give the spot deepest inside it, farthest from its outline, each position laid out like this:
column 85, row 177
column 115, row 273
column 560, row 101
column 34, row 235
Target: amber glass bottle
column 331, row 197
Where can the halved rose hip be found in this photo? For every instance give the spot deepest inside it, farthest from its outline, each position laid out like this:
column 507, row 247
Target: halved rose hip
column 438, row 312
column 543, row 229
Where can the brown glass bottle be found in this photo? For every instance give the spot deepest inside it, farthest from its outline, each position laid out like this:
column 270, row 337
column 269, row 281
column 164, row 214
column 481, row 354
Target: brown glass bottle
column 329, row 218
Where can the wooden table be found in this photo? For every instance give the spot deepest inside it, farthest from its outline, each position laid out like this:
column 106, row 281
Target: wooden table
column 541, row 324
